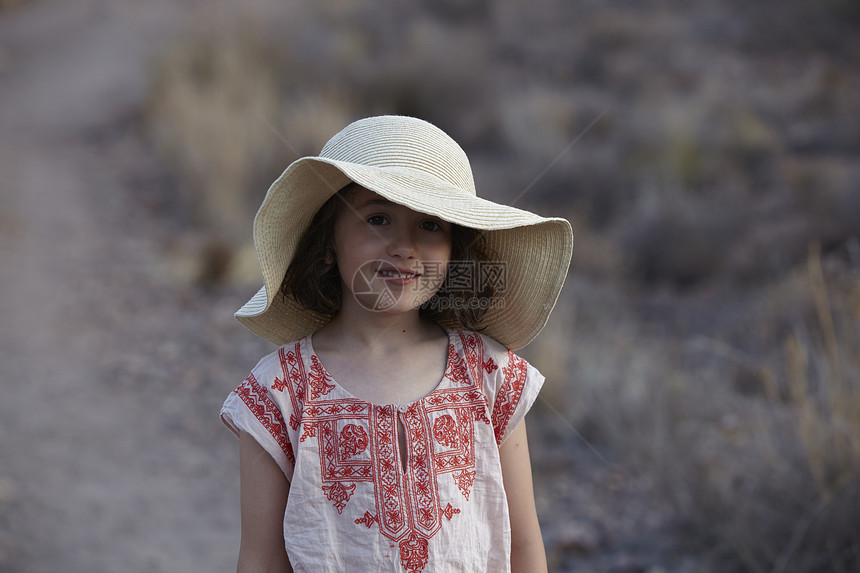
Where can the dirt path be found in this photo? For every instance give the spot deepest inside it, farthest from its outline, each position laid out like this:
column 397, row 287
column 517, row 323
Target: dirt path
column 97, row 472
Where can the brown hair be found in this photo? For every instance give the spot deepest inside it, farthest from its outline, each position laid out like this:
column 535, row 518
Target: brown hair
column 467, row 246
column 314, row 282
column 313, row 279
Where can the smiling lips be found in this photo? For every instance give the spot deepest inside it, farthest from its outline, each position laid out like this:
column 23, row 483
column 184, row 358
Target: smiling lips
column 397, row 276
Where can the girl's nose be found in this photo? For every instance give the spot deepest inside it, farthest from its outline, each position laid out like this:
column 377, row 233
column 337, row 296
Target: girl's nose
column 402, row 244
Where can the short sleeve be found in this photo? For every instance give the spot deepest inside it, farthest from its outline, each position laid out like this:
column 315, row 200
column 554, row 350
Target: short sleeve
column 255, row 408
column 511, row 385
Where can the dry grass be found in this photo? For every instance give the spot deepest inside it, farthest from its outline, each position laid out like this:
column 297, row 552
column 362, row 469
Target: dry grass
column 823, row 387
column 767, row 480
column 778, row 489
column 794, row 508
column 207, row 98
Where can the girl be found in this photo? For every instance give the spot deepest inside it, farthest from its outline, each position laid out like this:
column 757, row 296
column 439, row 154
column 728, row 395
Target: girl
column 386, row 433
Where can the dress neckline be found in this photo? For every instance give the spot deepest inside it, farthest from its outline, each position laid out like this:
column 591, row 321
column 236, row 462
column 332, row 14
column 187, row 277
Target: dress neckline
column 308, row 348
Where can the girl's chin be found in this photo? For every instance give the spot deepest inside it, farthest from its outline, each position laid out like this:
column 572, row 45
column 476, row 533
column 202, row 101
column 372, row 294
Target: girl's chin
column 392, row 300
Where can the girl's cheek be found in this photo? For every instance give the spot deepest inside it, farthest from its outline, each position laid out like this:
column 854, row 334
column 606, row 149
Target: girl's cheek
column 366, row 235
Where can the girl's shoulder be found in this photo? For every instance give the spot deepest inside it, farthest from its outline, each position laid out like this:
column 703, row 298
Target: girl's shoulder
column 474, row 341
column 272, row 363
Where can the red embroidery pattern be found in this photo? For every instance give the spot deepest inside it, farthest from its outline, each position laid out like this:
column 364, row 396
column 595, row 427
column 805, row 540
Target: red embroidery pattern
column 369, row 519
column 338, row 458
column 425, row 492
column 509, row 394
column 339, row 494
column 294, row 375
column 319, row 380
column 257, row 399
column 445, row 431
column 489, row 366
column 357, row 443
column 449, row 512
column 464, row 480
column 456, row 367
column 413, row 553
column 473, row 349
column 353, row 439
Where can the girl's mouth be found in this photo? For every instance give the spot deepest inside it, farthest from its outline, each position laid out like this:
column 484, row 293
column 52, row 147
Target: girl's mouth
column 396, row 276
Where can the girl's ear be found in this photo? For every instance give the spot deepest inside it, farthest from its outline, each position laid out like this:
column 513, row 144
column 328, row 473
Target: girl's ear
column 329, row 257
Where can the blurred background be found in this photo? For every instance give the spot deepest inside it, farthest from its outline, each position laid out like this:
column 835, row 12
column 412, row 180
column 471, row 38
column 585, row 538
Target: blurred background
column 702, row 410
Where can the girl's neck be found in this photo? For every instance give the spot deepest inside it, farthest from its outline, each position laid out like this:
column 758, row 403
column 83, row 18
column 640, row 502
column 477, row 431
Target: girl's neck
column 363, row 329
column 383, row 358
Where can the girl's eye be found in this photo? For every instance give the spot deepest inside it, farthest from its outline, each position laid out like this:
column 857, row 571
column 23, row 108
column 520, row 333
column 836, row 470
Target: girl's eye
column 431, row 226
column 377, row 220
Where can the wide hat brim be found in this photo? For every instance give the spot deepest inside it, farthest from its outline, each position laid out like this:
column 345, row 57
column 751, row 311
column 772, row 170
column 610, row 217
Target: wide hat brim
column 534, row 250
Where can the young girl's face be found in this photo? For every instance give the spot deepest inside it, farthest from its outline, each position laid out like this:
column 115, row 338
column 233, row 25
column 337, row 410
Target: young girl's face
column 391, row 258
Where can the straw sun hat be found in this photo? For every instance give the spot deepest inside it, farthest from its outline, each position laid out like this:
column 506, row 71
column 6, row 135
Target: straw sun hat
column 413, row 163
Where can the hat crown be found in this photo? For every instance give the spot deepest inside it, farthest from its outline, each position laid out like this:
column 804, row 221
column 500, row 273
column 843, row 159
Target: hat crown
column 399, row 142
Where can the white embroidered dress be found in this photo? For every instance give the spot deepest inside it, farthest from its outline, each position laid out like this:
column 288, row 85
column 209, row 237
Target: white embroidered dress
column 351, row 506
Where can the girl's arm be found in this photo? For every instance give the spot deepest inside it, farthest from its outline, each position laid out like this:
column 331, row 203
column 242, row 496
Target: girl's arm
column 527, row 550
column 264, row 489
